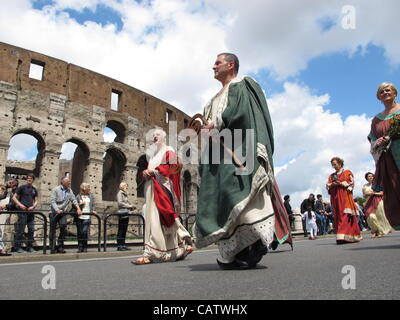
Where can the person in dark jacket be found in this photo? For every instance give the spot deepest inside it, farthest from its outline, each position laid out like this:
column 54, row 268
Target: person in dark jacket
column 289, row 210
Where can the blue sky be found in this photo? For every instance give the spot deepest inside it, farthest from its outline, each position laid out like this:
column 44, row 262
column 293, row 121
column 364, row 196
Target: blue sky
column 320, row 78
column 102, row 14
column 350, row 80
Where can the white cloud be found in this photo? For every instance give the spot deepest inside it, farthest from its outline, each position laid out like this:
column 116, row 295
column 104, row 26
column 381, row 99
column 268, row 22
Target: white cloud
column 22, row 147
column 285, row 35
column 109, row 135
column 167, row 49
column 310, row 136
column 68, row 150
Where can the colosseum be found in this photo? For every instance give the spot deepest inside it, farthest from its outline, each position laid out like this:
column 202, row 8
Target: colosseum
column 67, row 103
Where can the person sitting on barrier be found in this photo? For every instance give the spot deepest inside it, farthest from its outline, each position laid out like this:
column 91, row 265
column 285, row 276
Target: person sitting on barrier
column 25, row 198
column 11, row 222
column 13, row 185
column 3, row 217
column 124, row 207
column 61, row 201
column 166, row 239
column 86, row 203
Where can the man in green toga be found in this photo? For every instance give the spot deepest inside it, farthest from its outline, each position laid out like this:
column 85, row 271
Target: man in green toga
column 239, row 204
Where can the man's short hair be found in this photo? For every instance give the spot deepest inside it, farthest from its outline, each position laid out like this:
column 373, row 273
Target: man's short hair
column 64, row 178
column 319, row 196
column 30, row 175
column 230, row 57
column 286, row 197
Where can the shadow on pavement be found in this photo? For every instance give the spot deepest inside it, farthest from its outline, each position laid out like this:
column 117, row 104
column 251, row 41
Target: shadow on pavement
column 396, row 246
column 215, row 267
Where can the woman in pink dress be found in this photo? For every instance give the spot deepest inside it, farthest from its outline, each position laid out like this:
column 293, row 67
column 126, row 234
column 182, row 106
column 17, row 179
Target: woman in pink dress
column 386, row 153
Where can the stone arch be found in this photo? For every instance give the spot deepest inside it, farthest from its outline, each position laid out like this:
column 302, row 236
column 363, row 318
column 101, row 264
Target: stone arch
column 187, row 185
column 69, row 102
column 77, row 166
column 118, row 128
column 21, row 168
column 141, row 165
column 114, row 165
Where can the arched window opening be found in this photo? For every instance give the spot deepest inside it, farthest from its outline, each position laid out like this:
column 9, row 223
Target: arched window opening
column 114, row 132
column 25, row 155
column 113, row 170
column 187, row 184
column 73, row 162
column 141, row 165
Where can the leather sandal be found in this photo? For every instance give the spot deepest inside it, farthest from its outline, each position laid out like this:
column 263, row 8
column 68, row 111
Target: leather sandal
column 189, row 249
column 141, row 260
column 4, row 253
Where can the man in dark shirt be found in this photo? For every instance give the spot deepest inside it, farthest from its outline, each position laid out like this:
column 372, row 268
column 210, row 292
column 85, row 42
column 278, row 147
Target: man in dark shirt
column 25, row 198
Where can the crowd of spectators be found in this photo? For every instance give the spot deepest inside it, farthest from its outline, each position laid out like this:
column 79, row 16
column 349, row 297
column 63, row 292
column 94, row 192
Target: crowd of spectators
column 24, row 198
column 324, row 217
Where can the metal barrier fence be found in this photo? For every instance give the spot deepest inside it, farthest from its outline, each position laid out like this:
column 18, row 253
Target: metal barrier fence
column 54, row 224
column 21, row 223
column 187, row 222
column 55, row 220
column 141, row 226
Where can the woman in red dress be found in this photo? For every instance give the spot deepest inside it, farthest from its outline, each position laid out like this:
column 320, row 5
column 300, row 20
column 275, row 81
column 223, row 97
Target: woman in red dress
column 340, row 187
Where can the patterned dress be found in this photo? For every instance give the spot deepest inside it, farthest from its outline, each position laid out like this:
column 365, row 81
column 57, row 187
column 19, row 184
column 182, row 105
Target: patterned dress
column 375, row 212
column 387, row 174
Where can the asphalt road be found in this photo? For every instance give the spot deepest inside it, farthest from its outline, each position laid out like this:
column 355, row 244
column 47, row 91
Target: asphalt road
column 314, row 270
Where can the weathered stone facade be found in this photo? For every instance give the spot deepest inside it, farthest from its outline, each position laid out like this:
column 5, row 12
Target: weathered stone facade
column 73, row 104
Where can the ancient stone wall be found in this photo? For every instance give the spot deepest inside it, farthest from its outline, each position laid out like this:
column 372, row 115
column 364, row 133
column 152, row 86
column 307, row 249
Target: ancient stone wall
column 72, row 104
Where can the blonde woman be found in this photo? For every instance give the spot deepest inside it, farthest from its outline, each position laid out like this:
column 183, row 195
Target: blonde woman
column 85, row 201
column 124, row 207
column 386, row 153
column 165, row 237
